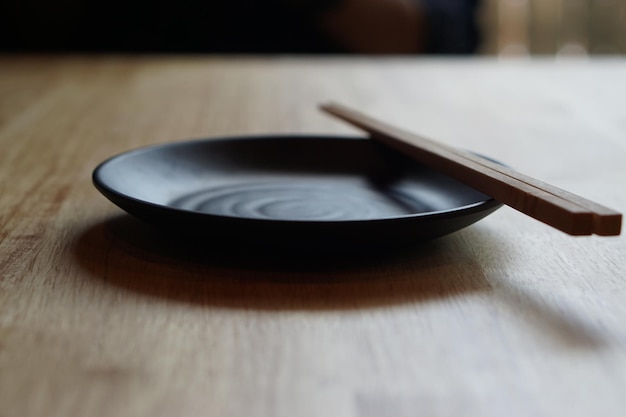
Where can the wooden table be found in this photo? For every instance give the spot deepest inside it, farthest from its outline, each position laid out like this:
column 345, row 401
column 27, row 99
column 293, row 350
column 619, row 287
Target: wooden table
column 507, row 317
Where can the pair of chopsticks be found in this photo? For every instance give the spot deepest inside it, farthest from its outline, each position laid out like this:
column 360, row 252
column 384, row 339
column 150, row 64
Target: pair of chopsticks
column 561, row 209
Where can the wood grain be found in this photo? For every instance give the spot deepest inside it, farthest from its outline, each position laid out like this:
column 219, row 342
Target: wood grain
column 102, row 316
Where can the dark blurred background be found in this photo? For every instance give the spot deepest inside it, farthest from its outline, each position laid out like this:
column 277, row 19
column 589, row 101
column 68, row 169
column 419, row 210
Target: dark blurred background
column 240, row 26
column 495, row 27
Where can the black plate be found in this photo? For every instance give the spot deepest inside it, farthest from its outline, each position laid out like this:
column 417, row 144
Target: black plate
column 317, row 192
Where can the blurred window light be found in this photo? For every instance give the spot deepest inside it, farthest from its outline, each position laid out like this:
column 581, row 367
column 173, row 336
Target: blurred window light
column 514, row 50
column 572, row 49
column 554, row 27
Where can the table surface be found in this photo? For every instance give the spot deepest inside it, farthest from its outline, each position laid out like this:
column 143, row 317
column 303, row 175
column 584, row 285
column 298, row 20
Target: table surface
column 99, row 317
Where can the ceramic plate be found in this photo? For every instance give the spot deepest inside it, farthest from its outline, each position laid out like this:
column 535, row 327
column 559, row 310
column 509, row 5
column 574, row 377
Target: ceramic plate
column 315, row 192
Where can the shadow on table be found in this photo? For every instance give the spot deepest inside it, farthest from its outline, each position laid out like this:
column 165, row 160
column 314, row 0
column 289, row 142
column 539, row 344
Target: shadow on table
column 125, row 253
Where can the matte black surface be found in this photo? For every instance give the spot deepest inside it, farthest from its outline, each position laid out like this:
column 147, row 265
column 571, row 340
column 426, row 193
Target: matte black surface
column 293, row 192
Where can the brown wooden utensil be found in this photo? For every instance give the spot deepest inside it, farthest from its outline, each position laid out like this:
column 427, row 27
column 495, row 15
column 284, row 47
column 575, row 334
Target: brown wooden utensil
column 556, row 207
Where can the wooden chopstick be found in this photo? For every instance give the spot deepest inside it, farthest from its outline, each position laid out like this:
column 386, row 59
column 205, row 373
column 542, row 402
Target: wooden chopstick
column 556, row 207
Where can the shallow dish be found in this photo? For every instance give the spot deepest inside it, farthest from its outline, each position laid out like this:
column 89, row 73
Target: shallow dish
column 316, row 192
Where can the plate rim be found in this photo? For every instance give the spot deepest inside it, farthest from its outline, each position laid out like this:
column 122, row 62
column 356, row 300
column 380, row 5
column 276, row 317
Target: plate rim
column 107, row 191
